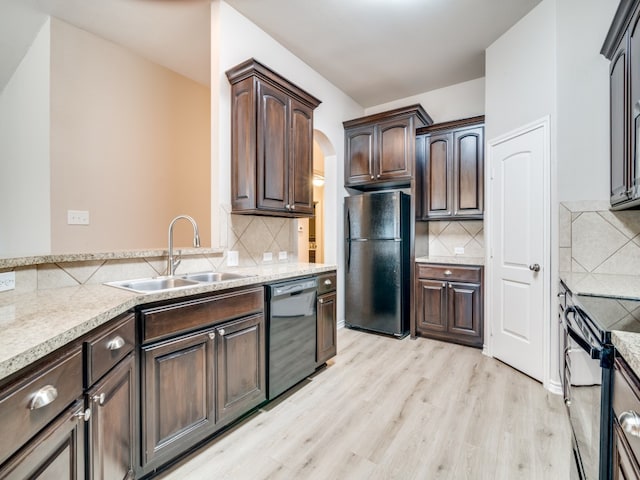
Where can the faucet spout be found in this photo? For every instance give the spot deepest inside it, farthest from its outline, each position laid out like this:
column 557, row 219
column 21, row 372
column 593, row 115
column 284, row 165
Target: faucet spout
column 171, row 263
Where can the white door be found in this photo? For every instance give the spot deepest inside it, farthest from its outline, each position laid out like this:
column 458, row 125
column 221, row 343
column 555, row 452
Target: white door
column 518, row 248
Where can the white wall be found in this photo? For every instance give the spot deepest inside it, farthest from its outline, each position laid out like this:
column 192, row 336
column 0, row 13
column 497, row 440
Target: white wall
column 457, row 101
column 583, row 99
column 234, row 39
column 24, row 143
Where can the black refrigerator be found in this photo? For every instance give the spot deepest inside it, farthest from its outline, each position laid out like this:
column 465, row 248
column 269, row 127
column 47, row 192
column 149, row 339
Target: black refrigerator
column 377, row 262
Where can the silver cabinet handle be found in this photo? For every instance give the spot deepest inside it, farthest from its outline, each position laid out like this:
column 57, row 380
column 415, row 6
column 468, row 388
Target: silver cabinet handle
column 293, row 207
column 372, row 177
column 444, row 284
column 449, row 285
column 448, row 273
column 221, row 331
column 378, row 176
column 116, row 343
column 534, row 268
column 630, row 423
column 327, row 282
column 287, row 206
column 43, row 397
column 83, row 415
column 99, row 399
column 321, row 300
column 212, row 335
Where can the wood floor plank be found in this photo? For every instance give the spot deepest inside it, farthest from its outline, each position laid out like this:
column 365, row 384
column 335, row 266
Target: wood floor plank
column 387, row 409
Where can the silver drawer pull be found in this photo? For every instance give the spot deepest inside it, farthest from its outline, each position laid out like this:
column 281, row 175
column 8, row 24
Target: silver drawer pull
column 212, row 335
column 327, row 282
column 448, row 273
column 99, row 399
column 43, row 397
column 321, row 300
column 630, row 423
column 221, row 331
column 116, row 343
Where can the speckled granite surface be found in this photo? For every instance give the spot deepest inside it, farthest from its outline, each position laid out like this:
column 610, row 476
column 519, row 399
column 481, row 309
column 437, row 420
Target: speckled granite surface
column 622, row 286
column 83, row 257
column 35, row 324
column 628, row 344
column 452, row 260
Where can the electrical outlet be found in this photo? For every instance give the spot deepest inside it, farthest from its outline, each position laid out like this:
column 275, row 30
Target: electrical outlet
column 77, row 217
column 232, row 258
column 458, row 250
column 267, row 257
column 7, row 281
column 282, row 255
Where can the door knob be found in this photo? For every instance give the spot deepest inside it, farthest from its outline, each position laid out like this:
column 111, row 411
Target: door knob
column 534, row 268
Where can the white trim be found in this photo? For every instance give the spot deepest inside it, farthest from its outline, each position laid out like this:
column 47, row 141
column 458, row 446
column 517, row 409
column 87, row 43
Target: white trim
column 548, row 265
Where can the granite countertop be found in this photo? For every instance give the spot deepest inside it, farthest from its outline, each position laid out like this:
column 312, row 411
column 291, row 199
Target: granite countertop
column 621, row 286
column 451, row 260
column 628, row 344
column 35, row 324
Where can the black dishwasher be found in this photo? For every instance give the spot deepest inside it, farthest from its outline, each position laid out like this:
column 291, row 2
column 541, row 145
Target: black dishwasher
column 292, row 333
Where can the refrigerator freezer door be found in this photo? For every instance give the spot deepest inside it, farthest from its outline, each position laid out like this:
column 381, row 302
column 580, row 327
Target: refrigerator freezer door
column 373, row 216
column 373, row 276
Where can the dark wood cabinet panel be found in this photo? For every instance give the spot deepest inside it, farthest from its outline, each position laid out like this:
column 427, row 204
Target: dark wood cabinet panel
column 271, row 143
column 625, row 465
column 241, row 367
column 451, row 181
column 326, row 331
column 177, row 397
column 113, row 426
column 446, row 309
column 380, row 148
column 618, row 102
column 57, row 452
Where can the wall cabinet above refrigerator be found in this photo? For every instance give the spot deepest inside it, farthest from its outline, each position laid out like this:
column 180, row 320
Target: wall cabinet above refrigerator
column 380, row 148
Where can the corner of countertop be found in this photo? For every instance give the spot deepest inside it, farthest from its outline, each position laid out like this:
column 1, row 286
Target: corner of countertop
column 628, row 345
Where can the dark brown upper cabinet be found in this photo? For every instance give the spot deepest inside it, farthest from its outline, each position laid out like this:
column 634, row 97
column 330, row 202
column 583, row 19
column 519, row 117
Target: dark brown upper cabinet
column 380, row 148
column 271, row 143
column 449, row 170
column 622, row 47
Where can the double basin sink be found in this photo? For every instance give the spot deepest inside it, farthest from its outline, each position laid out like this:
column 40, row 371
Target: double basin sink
column 162, row 284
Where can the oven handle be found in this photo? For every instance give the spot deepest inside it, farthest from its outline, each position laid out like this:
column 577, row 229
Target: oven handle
column 586, row 346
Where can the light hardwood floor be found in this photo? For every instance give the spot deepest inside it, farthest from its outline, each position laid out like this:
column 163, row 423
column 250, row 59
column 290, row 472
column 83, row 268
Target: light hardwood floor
column 397, row 409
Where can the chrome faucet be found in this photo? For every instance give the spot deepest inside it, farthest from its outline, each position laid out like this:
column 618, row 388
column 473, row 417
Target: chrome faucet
column 171, row 263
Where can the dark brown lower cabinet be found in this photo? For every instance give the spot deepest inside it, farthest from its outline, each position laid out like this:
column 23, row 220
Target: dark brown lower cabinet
column 177, row 398
column 326, row 331
column 57, row 452
column 625, row 465
column 112, row 429
column 241, row 369
column 447, row 309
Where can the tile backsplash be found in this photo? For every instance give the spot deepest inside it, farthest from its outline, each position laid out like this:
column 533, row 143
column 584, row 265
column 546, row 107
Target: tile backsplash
column 594, row 239
column 445, row 236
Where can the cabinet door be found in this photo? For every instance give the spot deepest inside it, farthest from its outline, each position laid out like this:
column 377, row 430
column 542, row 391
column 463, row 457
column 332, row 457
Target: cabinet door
column 395, row 150
column 358, row 164
column 633, row 103
column 625, row 465
column 177, row 398
column 272, row 149
column 431, row 306
column 464, row 312
column 243, row 145
column 241, row 368
column 618, row 125
column 326, row 331
column 468, row 161
column 112, row 425
column 301, row 159
column 439, row 176
column 55, row 453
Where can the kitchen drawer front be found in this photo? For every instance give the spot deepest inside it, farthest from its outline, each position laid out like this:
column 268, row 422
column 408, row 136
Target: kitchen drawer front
column 23, row 413
column 170, row 320
column 626, row 398
column 327, row 283
column 106, row 350
column 450, row 272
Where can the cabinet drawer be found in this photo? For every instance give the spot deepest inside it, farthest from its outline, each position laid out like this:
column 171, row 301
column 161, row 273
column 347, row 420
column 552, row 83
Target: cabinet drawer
column 23, row 412
column 108, row 348
column 327, row 283
column 161, row 322
column 626, row 398
column 450, row 272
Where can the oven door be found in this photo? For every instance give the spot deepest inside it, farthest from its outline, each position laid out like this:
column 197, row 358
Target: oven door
column 581, row 382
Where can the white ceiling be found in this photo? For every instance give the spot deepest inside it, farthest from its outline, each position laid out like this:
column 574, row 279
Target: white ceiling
column 374, row 50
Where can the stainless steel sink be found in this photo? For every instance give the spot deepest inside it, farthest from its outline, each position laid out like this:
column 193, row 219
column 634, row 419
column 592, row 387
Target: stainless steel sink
column 162, row 284
column 212, row 277
column 145, row 285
